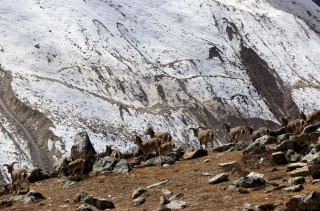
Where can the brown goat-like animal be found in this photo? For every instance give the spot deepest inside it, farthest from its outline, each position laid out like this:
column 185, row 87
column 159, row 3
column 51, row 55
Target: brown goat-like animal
column 116, row 154
column 258, row 133
column 148, row 146
column 295, row 126
column 203, row 136
column 75, row 165
column 314, row 117
column 235, row 133
column 165, row 136
column 18, row 176
column 166, row 148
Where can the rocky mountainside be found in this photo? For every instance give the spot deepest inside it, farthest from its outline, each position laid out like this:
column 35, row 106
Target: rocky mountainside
column 114, row 67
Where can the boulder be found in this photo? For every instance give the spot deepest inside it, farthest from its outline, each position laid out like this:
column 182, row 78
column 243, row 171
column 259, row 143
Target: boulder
column 59, row 169
column 304, row 171
column 170, row 159
column 33, row 197
column 292, row 156
column 278, row 132
column 296, row 180
column 251, row 180
column 266, row 139
column 279, row 158
column 194, row 153
column 299, row 144
column 224, row 147
column 219, row 178
column 239, row 146
column 99, row 203
column 82, row 148
column 295, row 188
column 255, row 148
column 314, row 165
column 37, row 174
column 284, row 137
column 110, row 164
column 294, row 166
column 283, row 146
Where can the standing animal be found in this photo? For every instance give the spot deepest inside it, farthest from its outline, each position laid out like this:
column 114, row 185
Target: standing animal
column 258, row 133
column 163, row 135
column 148, row 146
column 18, row 177
column 104, row 154
column 314, row 117
column 204, row 136
column 166, row 147
column 295, row 126
column 235, row 133
column 74, row 165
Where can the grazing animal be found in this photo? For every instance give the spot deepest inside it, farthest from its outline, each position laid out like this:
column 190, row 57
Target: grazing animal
column 295, row 126
column 258, row 133
column 204, row 136
column 165, row 136
column 235, row 133
column 18, row 177
column 148, row 146
column 74, row 165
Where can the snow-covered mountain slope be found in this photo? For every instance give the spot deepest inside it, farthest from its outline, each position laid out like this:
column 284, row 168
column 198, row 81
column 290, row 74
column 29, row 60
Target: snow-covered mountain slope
column 114, row 67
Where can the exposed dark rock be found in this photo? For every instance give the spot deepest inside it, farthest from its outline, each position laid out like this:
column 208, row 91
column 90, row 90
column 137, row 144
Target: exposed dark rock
column 292, row 156
column 170, row 159
column 110, row 164
column 99, row 203
column 255, row 148
column 279, row 158
column 251, row 180
column 239, row 146
column 284, row 137
column 194, row 153
column 278, row 132
column 138, row 192
column 138, row 201
column 37, row 174
column 296, row 180
column 304, row 171
column 80, row 196
column 266, row 140
column 86, row 207
column 224, row 147
column 222, row 177
column 227, row 165
column 33, row 197
column 314, row 165
column 295, row 188
column 284, row 146
column 82, row 148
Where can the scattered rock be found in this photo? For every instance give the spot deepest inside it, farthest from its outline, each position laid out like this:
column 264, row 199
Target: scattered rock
column 37, row 174
column 86, row 207
column 249, row 207
column 59, row 169
column 110, row 164
column 5, row 203
column 206, row 174
column 255, row 148
column 82, row 148
column 80, row 196
column 266, row 140
column 138, row 201
column 194, row 153
column 243, row 191
column 4, row 189
column 206, row 160
column 276, row 133
column 295, row 166
column 226, row 165
column 280, row 187
column 219, row 178
column 176, row 196
column 309, row 129
column 295, row 188
column 138, row 192
column 157, row 184
column 239, row 146
column 283, row 146
column 166, row 192
column 163, row 201
column 251, row 180
column 68, row 184
column 284, row 137
column 224, row 147
column 292, row 156
column 304, row 171
column 33, row 197
column 296, row 180
column 314, row 165
column 170, row 159
column 315, row 181
column 229, row 187
column 177, row 204
column 99, row 203
column 266, row 207
column 279, row 158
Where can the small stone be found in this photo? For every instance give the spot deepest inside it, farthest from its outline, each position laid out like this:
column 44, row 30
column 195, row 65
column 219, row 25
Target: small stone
column 295, row 188
column 176, row 197
column 163, row 201
column 166, row 192
column 207, row 160
column 177, row 204
column 316, row 181
column 226, row 165
column 304, row 171
column 68, row 184
column 206, row 174
column 138, row 201
column 99, row 203
column 296, row 180
column 138, row 192
column 243, row 191
column 294, row 166
column 219, row 178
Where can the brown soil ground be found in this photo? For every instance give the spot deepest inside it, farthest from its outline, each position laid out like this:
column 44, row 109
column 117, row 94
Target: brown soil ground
column 185, row 177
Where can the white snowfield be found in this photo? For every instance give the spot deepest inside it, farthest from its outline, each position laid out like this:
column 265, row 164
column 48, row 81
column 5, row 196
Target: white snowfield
column 114, row 67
